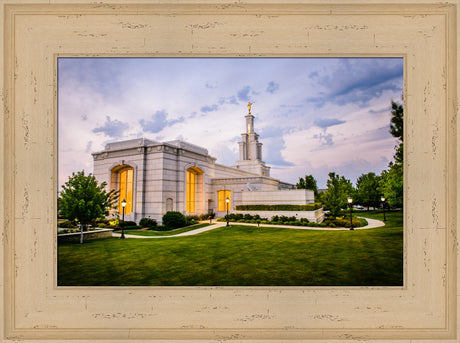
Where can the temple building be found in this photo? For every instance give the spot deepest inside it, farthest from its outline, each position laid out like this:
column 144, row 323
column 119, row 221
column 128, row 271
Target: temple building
column 156, row 177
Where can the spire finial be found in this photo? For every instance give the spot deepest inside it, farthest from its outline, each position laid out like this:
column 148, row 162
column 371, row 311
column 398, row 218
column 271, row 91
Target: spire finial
column 249, row 106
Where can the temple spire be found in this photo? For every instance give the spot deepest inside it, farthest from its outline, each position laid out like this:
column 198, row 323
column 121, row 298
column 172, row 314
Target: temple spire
column 250, row 148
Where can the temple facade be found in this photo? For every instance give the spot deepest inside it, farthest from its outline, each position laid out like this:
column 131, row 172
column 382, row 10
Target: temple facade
column 156, row 177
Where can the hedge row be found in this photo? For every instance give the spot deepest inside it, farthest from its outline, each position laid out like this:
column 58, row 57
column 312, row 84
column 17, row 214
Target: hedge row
column 308, row 207
column 283, row 220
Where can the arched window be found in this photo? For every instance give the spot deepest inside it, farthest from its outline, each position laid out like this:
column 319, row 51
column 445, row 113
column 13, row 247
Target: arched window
column 125, row 186
column 191, row 190
column 222, row 196
column 194, row 190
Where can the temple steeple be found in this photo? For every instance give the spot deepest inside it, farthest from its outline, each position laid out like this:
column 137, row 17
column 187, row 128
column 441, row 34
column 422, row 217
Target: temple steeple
column 251, row 149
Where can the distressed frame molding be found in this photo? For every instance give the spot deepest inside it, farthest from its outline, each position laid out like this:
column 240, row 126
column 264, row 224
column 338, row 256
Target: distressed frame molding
column 35, row 34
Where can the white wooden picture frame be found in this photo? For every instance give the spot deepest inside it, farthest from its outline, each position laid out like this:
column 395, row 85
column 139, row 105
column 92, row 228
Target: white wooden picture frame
column 36, row 33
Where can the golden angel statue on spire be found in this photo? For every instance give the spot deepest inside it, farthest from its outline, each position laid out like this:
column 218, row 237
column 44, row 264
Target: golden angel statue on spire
column 249, row 106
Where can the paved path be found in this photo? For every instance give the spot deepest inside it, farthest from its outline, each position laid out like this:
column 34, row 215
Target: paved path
column 372, row 223
column 188, row 233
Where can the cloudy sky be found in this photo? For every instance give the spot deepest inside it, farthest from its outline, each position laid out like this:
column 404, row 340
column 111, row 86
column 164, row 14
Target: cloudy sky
column 313, row 115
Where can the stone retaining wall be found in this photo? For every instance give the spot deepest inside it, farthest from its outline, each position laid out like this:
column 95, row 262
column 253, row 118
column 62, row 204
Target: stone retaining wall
column 316, row 216
column 87, row 235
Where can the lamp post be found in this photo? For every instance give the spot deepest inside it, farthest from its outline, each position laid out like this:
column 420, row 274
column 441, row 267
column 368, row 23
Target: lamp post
column 123, row 205
column 383, row 207
column 350, row 202
column 227, row 201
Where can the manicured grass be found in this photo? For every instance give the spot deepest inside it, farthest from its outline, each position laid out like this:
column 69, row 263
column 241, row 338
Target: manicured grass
column 242, row 256
column 165, row 233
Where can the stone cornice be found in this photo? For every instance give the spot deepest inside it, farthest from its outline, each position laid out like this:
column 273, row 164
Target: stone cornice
column 152, row 149
column 217, row 180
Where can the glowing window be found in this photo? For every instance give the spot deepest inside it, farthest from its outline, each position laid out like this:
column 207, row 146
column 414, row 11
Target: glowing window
column 222, row 196
column 191, row 191
column 126, row 183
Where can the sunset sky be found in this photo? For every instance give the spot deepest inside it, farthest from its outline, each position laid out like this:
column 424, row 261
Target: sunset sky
column 313, row 115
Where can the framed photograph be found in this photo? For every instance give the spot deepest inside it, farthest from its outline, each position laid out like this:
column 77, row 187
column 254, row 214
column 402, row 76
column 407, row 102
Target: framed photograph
column 263, row 142
column 39, row 39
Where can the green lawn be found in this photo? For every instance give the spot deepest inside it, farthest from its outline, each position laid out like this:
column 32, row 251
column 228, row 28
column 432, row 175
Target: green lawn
column 242, row 256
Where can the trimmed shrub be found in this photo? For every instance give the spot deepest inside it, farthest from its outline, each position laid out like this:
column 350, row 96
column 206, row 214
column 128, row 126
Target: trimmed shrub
column 248, row 217
column 69, row 231
column 174, row 219
column 287, row 219
column 237, row 216
column 147, row 222
column 192, row 218
column 68, row 224
column 100, row 222
column 344, row 222
column 307, row 207
column 127, row 223
column 131, row 227
column 207, row 216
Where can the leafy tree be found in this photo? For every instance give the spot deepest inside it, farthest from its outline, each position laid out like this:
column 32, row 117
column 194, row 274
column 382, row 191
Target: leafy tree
column 308, row 183
column 301, row 184
column 397, row 128
column 391, row 185
column 336, row 196
column 83, row 200
column 367, row 190
column 396, row 125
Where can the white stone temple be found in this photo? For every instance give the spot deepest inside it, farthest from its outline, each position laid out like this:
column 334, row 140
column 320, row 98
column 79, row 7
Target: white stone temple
column 156, row 177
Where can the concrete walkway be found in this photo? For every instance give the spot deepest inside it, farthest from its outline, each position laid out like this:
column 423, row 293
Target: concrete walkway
column 372, row 223
column 188, row 233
